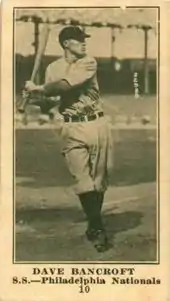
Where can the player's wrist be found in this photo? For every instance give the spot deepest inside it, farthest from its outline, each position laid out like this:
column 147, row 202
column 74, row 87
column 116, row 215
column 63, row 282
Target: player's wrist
column 40, row 88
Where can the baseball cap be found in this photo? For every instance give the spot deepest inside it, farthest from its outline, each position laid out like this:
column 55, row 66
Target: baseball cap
column 72, row 32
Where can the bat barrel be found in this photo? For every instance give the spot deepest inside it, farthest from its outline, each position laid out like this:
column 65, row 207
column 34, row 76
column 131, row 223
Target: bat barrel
column 40, row 51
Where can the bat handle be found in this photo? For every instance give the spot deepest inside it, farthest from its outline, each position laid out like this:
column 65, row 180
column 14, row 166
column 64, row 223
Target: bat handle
column 33, row 76
column 25, row 100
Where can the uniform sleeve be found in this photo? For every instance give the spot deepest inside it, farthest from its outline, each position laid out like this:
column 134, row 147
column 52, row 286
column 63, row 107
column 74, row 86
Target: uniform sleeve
column 81, row 72
column 56, row 88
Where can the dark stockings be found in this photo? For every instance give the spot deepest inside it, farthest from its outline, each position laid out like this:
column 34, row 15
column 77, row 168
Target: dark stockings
column 92, row 204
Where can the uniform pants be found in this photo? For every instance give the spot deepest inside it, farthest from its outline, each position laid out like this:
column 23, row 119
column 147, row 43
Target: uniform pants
column 88, row 151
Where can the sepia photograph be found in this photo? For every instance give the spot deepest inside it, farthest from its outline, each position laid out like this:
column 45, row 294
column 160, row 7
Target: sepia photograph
column 86, row 134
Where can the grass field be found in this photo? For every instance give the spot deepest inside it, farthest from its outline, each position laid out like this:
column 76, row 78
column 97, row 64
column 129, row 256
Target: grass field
column 50, row 224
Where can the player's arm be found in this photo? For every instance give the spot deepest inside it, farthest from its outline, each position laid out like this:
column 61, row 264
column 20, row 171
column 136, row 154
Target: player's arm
column 77, row 76
column 84, row 70
column 49, row 88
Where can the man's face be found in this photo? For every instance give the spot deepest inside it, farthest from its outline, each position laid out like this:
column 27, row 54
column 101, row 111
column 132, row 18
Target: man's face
column 77, row 48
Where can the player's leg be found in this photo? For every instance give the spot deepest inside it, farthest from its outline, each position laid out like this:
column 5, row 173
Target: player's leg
column 95, row 231
column 81, row 151
column 77, row 159
column 100, row 196
column 102, row 162
column 88, row 201
column 100, row 152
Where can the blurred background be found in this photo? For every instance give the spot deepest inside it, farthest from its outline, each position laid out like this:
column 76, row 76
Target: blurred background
column 123, row 40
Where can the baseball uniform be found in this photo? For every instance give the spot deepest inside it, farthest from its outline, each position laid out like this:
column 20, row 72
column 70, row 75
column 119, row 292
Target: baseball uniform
column 88, row 147
column 86, row 131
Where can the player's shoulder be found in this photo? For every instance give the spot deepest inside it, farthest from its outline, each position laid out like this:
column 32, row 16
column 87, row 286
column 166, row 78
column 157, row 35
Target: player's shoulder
column 55, row 64
column 88, row 62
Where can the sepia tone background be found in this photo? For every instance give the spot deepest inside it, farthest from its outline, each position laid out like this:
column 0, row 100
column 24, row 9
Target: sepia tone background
column 48, row 216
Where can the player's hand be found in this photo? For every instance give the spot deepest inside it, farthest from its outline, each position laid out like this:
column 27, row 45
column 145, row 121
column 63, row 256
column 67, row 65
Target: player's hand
column 25, row 94
column 30, row 86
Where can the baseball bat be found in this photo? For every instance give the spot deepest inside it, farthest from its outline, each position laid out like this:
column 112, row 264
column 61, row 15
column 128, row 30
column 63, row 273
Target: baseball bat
column 43, row 39
column 40, row 51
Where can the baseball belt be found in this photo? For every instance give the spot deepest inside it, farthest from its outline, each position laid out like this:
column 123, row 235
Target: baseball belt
column 83, row 118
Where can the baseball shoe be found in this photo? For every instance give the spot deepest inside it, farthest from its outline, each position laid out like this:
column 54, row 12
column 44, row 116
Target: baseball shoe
column 91, row 234
column 99, row 239
column 101, row 242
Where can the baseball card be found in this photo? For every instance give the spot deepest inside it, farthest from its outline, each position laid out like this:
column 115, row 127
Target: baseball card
column 85, row 151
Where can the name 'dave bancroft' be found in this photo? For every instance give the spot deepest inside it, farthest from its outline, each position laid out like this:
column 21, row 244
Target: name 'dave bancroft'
column 91, row 276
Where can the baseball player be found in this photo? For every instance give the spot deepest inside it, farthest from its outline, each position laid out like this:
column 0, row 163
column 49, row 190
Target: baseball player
column 86, row 133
